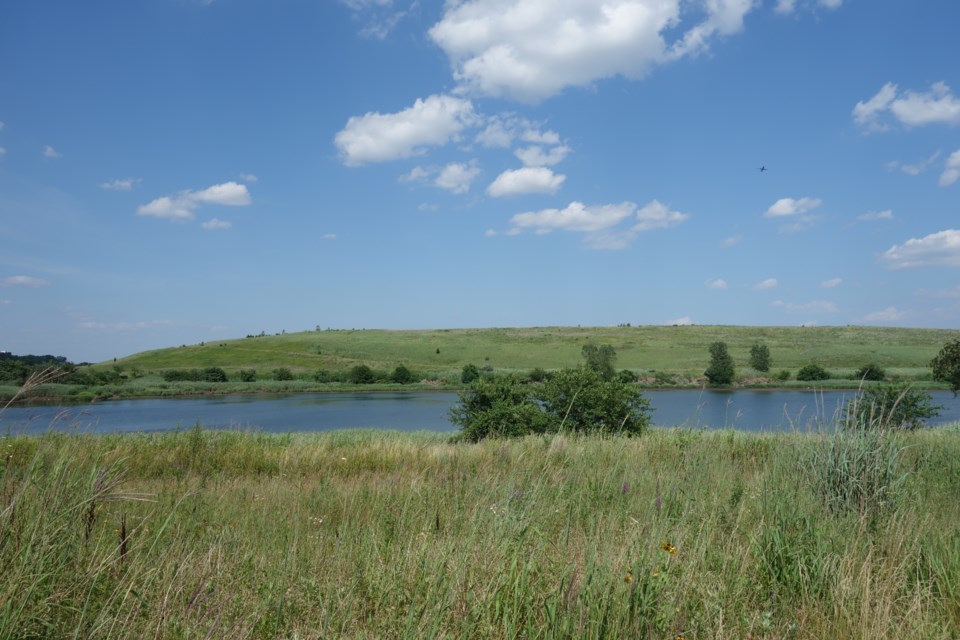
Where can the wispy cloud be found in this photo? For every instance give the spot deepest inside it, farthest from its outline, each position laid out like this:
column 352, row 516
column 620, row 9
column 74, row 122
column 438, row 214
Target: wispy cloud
column 916, row 168
column 941, row 249
column 125, row 326
column 718, row 283
column 890, row 314
column 766, row 285
column 817, row 306
column 832, row 283
column 248, row 177
column 951, row 172
column 731, row 241
column 216, row 224
column 120, row 185
column 456, row 177
column 50, row 152
column 183, row 205
column 871, row 216
column 23, row 281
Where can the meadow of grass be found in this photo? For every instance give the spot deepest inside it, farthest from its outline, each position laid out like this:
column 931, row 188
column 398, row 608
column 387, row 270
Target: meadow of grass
column 676, row 534
column 681, row 350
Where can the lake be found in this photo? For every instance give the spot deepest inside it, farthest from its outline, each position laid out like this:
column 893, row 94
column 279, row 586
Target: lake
column 747, row 410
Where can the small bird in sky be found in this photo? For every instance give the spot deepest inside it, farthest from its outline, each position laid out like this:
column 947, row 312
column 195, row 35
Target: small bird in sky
column 762, row 169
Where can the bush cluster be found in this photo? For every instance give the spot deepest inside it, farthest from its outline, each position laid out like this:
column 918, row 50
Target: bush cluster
column 570, row 400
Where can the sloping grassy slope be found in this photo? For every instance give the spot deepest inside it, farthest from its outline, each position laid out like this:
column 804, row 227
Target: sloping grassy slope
column 671, row 349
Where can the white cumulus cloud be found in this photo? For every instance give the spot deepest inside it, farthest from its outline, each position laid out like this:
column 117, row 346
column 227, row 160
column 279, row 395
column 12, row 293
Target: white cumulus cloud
column 529, row 50
column 379, row 137
column 599, row 223
column 910, row 108
column 457, row 177
column 792, row 206
column 183, row 205
column 952, row 171
column 941, row 249
column 685, row 321
column 526, row 180
column 535, row 156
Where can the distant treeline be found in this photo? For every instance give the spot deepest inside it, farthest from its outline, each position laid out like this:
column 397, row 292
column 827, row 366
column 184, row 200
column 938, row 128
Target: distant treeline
column 18, row 368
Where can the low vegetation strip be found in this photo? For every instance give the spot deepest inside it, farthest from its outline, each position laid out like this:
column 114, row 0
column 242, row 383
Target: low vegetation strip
column 674, row 534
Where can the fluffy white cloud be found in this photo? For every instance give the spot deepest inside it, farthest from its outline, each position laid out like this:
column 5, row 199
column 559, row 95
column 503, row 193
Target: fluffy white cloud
column 526, row 180
column 870, row 216
column 599, row 223
column 182, row 206
column 685, row 321
column 941, row 249
column 766, row 285
column 792, row 207
column 120, row 185
column 457, row 177
column 529, row 50
column 718, row 283
column 378, row 137
column 952, row 171
column 50, row 152
column 216, row 224
column 23, row 281
column 831, row 283
column 912, row 109
column 535, row 156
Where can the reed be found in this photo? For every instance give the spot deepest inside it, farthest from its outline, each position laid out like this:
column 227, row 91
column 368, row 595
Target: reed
column 362, row 534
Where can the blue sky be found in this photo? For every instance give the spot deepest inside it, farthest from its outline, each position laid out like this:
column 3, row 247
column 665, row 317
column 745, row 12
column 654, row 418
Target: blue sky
column 178, row 171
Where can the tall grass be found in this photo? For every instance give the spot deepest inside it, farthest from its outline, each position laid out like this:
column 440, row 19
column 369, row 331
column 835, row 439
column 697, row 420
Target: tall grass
column 203, row 534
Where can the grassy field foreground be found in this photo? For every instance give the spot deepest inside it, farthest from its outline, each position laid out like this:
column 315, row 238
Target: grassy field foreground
column 676, row 534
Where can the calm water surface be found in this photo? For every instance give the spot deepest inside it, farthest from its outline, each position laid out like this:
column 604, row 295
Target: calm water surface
column 745, row 410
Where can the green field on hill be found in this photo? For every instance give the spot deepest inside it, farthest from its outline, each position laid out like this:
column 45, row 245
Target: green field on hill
column 680, row 350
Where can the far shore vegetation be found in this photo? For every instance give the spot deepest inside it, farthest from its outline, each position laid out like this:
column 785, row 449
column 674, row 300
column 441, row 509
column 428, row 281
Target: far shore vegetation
column 650, row 356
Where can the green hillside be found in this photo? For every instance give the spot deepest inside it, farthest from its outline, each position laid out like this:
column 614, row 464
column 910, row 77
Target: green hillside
column 680, row 349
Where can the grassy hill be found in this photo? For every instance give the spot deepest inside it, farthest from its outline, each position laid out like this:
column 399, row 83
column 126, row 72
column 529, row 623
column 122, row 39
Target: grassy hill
column 680, row 350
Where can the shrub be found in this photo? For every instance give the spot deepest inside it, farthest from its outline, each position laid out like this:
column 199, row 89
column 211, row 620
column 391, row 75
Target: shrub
column 469, row 374
column 322, row 375
column 812, row 372
column 721, row 370
column 282, row 374
column 871, row 372
column 538, row 375
column 498, row 407
column 361, row 374
column 946, row 365
column 214, row 374
column 580, row 400
column 760, row 357
column 626, row 376
column 888, row 406
column 402, row 375
column 248, row 375
column 782, row 376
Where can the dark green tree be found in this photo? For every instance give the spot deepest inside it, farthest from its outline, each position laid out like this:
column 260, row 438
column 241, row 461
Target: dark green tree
column 946, row 366
column 282, row 374
column 721, row 370
column 760, row 357
column 601, row 359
